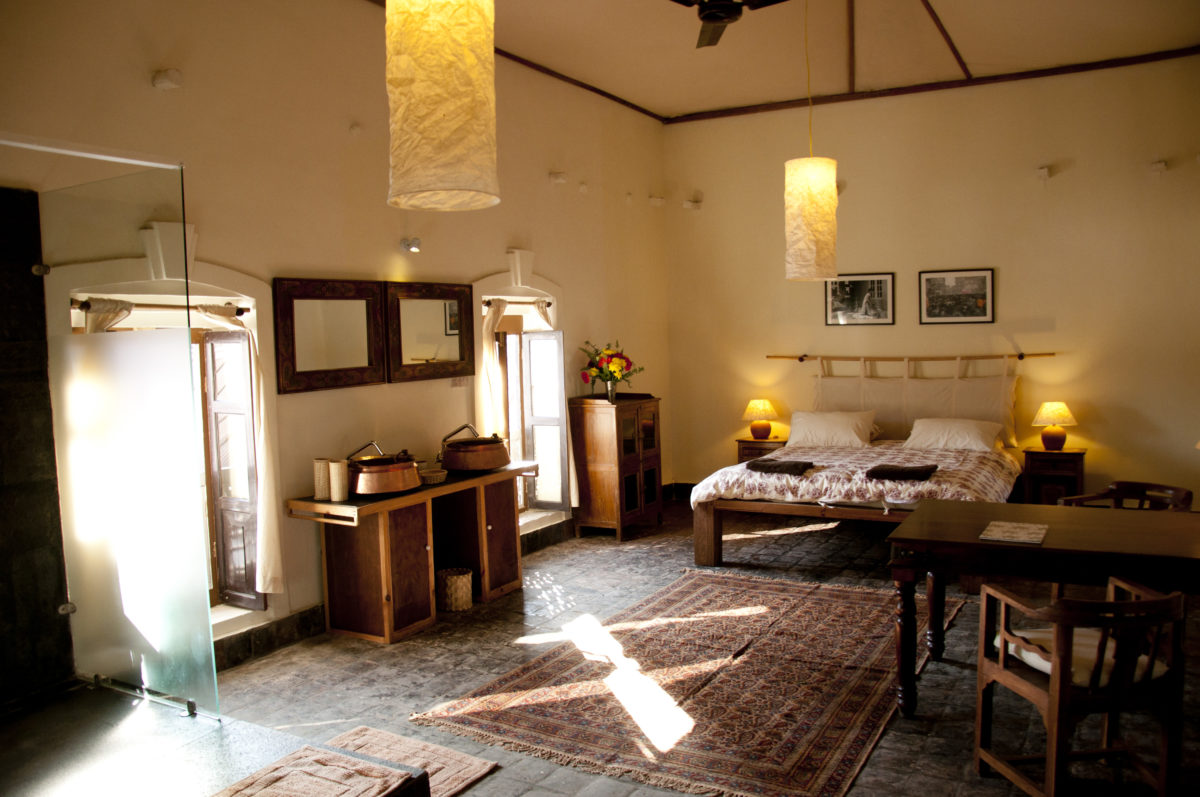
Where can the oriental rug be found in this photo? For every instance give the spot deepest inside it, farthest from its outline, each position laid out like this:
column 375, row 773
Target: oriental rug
column 718, row 684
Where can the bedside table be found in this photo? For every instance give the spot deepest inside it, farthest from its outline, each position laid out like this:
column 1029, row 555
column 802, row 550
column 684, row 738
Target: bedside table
column 752, row 448
column 1051, row 475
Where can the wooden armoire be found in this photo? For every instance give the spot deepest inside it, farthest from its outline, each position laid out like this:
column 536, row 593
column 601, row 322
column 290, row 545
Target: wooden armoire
column 618, row 460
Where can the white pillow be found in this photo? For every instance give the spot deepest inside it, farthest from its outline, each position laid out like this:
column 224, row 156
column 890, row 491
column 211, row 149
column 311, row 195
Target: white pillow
column 841, row 429
column 958, row 433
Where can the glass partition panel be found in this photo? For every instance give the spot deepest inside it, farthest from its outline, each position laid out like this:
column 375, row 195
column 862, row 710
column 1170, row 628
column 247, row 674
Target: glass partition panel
column 128, row 447
column 134, row 543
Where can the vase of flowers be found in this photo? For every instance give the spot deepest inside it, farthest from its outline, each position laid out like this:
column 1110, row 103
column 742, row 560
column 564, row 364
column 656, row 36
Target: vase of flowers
column 607, row 364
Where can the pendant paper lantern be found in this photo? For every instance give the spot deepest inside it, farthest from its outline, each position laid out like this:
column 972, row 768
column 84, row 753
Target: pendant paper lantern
column 810, row 207
column 442, row 101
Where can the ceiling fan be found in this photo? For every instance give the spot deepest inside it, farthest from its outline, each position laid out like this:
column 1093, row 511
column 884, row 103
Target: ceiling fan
column 716, row 14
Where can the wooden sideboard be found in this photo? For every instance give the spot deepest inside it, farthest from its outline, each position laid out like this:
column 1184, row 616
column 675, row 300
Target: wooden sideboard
column 381, row 551
column 618, row 460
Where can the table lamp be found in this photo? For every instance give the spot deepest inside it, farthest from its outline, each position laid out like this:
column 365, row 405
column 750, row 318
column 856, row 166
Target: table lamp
column 760, row 413
column 1054, row 415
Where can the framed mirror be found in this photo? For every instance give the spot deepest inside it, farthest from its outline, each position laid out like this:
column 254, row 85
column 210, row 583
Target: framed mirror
column 430, row 331
column 329, row 333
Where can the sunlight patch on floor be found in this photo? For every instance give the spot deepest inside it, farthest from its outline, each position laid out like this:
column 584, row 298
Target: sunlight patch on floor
column 654, row 711
column 564, row 635
column 754, row 535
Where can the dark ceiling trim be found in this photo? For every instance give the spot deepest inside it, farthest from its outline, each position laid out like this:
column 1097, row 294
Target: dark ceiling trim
column 853, row 95
column 545, row 70
column 828, row 99
column 946, row 37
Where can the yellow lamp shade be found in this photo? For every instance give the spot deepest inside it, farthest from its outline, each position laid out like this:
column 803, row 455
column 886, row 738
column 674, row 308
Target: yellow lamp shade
column 760, row 412
column 810, row 208
column 1053, row 415
column 442, row 104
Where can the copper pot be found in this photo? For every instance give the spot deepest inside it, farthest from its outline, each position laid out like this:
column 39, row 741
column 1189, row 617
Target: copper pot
column 477, row 453
column 382, row 473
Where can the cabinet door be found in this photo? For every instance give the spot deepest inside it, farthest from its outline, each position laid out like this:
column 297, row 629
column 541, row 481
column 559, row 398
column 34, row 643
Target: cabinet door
column 648, row 432
column 410, row 582
column 501, row 539
column 629, row 438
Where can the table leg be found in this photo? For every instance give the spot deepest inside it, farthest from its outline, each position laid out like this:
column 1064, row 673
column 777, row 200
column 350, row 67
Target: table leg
column 935, row 597
column 906, row 641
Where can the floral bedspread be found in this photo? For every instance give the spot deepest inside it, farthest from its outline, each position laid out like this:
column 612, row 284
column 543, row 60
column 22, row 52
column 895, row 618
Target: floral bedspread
column 838, row 476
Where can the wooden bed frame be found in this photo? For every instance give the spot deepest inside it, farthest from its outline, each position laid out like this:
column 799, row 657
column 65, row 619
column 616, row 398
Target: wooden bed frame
column 708, row 520
column 709, row 516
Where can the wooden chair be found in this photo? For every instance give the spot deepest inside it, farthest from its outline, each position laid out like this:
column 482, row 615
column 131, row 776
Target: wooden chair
column 1145, row 494
column 1083, row 657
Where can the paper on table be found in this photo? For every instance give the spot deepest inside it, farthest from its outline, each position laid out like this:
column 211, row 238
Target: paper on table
column 1007, row 531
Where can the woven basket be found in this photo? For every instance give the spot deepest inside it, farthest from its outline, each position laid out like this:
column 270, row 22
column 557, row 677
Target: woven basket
column 433, row 476
column 454, row 589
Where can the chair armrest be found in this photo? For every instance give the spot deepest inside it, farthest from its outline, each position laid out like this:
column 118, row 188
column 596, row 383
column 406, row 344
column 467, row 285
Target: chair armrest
column 1022, row 605
column 1079, row 500
column 1123, row 589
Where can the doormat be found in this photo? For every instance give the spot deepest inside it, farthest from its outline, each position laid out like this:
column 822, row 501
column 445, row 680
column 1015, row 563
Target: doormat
column 345, row 772
column 718, row 684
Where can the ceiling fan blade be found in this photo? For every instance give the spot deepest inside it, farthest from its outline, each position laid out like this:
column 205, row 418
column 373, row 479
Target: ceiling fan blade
column 710, row 33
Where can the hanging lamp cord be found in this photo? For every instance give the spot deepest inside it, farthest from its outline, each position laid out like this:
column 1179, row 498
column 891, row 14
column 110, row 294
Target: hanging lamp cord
column 808, row 79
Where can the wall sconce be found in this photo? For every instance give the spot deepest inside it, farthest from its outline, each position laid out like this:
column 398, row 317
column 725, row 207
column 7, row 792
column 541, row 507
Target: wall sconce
column 441, row 89
column 760, row 413
column 411, row 244
column 695, row 202
column 1053, row 415
column 1043, row 173
column 558, row 178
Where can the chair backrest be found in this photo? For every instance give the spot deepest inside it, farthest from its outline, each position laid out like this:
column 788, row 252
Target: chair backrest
column 1129, row 641
column 1112, row 644
column 1139, row 495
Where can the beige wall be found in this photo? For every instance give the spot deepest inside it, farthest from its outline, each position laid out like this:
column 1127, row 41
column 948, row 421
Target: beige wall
column 1099, row 263
column 281, row 125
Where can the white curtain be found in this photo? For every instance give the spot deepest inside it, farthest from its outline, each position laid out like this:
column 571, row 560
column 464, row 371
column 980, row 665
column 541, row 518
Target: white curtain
column 543, row 309
column 270, row 554
column 104, row 314
column 489, row 405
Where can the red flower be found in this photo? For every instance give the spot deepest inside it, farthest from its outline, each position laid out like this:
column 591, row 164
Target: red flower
column 585, row 376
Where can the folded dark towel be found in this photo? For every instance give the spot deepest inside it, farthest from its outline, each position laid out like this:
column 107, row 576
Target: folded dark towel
column 790, row 467
column 913, row 473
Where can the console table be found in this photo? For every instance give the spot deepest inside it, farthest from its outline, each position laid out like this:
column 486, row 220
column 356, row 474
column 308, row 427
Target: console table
column 381, row 551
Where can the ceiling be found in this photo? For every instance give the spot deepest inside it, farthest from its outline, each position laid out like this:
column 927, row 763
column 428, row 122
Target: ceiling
column 643, row 52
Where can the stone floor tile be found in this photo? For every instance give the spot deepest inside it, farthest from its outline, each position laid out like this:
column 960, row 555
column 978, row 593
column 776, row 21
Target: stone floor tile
column 336, row 680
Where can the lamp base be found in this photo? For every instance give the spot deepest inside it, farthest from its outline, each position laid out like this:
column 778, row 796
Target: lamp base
column 1053, row 438
column 760, row 430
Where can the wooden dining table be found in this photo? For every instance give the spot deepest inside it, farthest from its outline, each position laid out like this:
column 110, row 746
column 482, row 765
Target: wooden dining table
column 1082, row 545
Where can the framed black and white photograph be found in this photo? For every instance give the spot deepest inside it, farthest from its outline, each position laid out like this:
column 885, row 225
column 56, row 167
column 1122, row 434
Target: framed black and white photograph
column 451, row 318
column 860, row 299
column 957, row 297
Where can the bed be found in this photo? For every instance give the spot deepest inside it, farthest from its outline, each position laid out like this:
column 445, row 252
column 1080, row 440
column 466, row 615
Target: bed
column 872, row 448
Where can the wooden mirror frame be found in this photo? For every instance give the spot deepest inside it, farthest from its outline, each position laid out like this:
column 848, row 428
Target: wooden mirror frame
column 286, row 291
column 398, row 371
